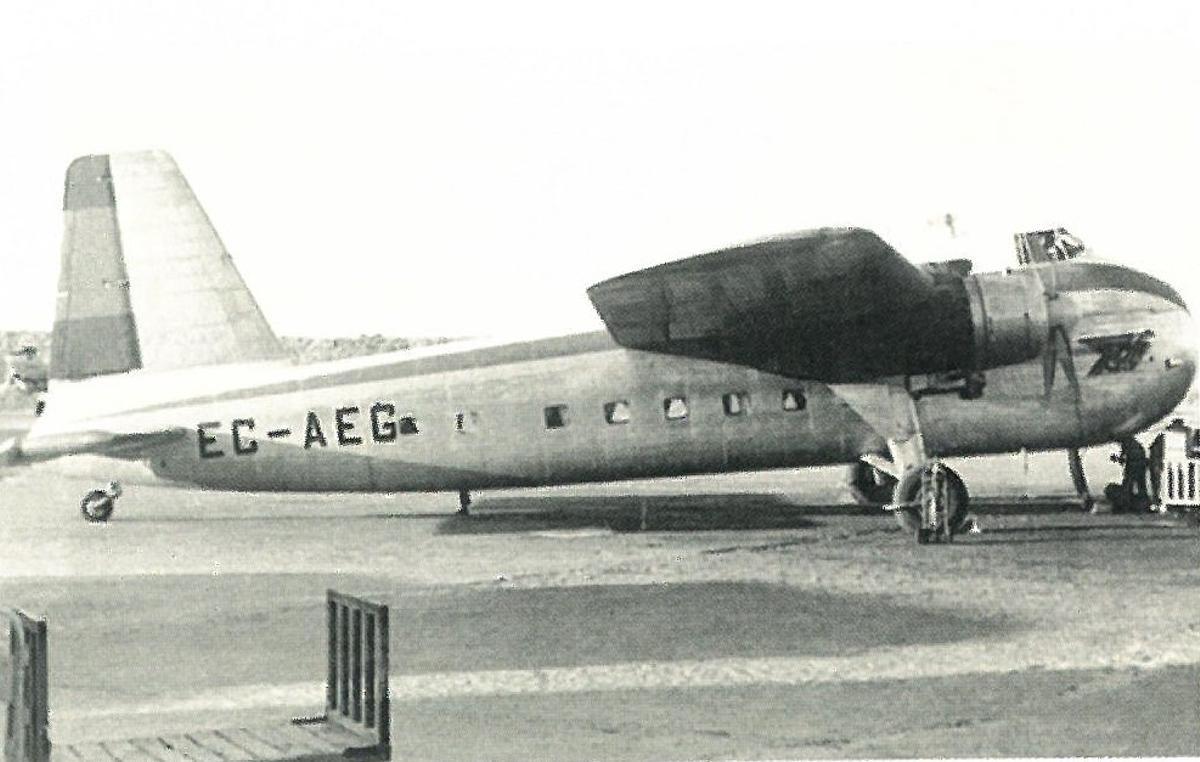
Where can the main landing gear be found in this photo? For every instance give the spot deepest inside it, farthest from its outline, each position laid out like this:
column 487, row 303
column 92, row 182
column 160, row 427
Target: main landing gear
column 1079, row 479
column 97, row 506
column 464, row 502
column 930, row 501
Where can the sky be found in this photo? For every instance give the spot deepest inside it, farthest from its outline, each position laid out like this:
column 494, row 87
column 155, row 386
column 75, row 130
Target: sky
column 456, row 169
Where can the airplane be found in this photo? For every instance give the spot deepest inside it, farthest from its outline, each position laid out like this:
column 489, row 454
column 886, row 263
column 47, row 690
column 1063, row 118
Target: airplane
column 813, row 348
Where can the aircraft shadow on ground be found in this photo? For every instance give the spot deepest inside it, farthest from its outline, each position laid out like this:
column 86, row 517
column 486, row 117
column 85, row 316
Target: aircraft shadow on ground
column 1058, row 533
column 297, row 517
column 631, row 513
column 992, row 506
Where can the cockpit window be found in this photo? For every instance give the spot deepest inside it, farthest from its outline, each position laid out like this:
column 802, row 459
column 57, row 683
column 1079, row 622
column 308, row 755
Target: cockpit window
column 1066, row 246
column 1054, row 245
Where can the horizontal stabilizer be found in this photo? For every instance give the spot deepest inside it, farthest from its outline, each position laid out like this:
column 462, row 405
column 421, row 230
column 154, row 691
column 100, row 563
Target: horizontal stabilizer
column 110, row 444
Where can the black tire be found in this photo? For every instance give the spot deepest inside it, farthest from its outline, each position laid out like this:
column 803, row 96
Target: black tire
column 97, row 506
column 869, row 486
column 906, row 490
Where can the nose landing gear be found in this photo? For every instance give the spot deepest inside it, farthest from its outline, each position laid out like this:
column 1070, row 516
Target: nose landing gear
column 98, row 505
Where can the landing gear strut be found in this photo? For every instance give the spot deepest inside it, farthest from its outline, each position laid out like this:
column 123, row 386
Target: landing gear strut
column 1079, row 478
column 931, row 502
column 97, row 506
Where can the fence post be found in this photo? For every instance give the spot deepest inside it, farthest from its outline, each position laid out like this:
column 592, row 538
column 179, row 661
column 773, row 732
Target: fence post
column 356, row 695
column 24, row 688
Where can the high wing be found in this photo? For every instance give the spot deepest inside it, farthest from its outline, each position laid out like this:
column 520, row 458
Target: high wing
column 834, row 304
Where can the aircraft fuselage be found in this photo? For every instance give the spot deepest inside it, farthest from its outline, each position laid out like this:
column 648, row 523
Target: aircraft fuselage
column 581, row 408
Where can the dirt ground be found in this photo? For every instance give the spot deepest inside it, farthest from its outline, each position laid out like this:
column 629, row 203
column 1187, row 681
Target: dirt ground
column 746, row 616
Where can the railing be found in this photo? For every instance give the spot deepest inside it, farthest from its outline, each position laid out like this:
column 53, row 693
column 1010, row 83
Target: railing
column 24, row 689
column 356, row 723
column 1181, row 482
column 356, row 694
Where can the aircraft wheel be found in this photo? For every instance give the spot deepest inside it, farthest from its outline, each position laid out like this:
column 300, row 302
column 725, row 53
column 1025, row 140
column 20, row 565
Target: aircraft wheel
column 97, row 506
column 909, row 519
column 870, row 486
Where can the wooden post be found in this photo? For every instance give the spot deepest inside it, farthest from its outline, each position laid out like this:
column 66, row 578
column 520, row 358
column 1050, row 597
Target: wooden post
column 357, row 694
column 24, row 687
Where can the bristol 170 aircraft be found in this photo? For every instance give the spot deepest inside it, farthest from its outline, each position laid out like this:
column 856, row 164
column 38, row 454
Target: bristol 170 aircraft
column 819, row 347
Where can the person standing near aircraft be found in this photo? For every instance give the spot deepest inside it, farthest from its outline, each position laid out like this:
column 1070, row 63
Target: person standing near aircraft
column 1135, row 496
column 1157, row 453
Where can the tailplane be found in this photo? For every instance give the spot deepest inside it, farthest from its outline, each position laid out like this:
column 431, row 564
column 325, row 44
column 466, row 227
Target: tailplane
column 145, row 281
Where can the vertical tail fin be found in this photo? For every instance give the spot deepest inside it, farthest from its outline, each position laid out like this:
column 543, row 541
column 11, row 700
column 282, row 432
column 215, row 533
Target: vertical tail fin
column 145, row 280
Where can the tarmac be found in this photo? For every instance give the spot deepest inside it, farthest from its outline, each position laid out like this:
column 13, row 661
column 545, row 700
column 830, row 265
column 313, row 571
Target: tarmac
column 747, row 616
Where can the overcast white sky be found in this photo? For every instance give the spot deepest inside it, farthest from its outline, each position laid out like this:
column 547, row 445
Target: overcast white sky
column 454, row 169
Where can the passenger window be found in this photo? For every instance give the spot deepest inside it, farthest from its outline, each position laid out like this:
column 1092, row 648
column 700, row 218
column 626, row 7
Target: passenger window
column 675, row 408
column 616, row 412
column 555, row 416
column 736, row 403
column 408, row 425
column 793, row 399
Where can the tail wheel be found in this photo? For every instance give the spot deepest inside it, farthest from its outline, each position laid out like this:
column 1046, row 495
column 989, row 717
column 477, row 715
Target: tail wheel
column 97, row 506
column 870, row 486
column 906, row 493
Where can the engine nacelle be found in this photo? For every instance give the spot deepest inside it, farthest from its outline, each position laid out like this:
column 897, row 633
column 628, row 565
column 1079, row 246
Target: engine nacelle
column 974, row 323
column 1008, row 317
